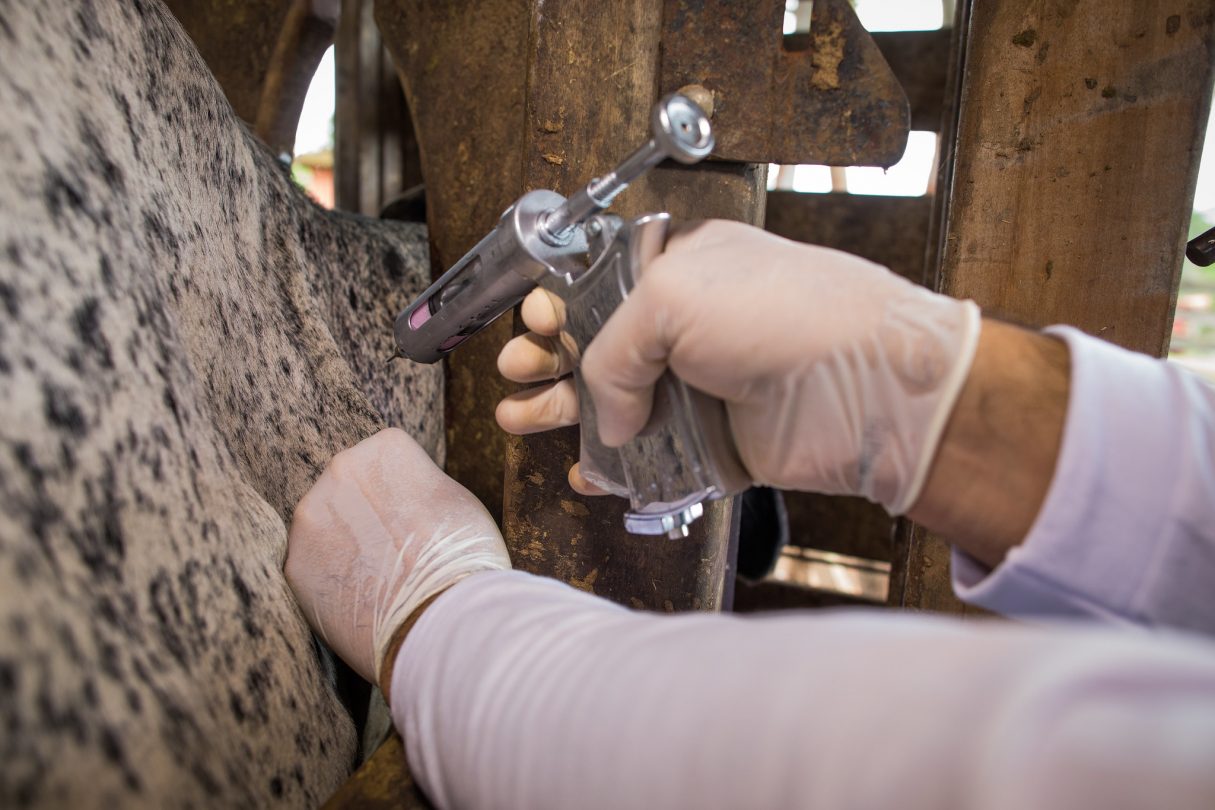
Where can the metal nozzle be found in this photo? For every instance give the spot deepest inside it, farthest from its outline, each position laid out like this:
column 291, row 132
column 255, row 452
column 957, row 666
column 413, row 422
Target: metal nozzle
column 680, row 130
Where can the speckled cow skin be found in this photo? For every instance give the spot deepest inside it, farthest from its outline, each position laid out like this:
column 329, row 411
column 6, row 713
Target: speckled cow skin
column 185, row 340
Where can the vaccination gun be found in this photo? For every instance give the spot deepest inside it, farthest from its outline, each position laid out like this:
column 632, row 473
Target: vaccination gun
column 685, row 455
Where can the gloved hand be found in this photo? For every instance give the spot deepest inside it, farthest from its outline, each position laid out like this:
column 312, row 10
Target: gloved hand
column 838, row 376
column 380, row 532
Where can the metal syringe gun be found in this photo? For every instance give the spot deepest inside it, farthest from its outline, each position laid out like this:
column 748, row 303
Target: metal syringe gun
column 591, row 260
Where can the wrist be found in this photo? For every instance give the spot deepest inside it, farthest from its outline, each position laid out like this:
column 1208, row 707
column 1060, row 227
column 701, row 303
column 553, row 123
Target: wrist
column 931, row 386
column 997, row 456
column 393, row 651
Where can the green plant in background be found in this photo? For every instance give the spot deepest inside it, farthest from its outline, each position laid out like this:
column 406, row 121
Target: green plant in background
column 301, row 174
column 1193, row 343
column 1199, row 223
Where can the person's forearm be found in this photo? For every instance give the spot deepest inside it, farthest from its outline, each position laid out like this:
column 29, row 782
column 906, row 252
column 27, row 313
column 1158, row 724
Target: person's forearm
column 514, row 691
column 1126, row 529
column 997, row 456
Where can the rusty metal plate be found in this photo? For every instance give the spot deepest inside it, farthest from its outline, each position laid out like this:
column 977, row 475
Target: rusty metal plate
column 835, row 102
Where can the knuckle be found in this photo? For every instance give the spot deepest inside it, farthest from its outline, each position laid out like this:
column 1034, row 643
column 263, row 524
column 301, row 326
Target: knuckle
column 552, row 356
column 663, row 290
column 306, row 518
column 592, row 364
column 392, row 434
column 391, row 437
column 349, row 463
column 560, row 405
column 550, row 408
column 569, row 401
column 341, row 465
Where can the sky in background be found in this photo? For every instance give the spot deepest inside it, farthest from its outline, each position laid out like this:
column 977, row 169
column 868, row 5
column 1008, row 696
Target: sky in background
column 315, row 131
column 900, row 15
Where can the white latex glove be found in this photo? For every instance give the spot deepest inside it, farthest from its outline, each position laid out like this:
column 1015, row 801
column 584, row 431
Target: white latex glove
column 838, row 376
column 380, row 532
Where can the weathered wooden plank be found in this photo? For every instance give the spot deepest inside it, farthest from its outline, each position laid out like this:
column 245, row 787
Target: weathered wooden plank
column 382, row 783
column 1078, row 146
column 401, row 165
column 892, row 231
column 366, row 146
column 920, row 62
column 591, row 81
column 920, row 578
column 463, row 65
column 1077, row 149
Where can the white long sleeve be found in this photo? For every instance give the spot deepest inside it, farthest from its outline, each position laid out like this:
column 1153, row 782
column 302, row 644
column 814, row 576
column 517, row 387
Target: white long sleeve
column 1127, row 531
column 513, row 691
column 518, row 692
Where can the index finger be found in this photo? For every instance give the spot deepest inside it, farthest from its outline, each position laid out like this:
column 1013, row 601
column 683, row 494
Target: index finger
column 543, row 312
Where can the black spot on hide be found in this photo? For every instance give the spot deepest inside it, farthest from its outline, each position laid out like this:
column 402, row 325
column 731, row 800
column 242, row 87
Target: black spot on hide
column 87, row 325
column 395, row 265
column 61, row 410
column 99, row 157
column 60, row 194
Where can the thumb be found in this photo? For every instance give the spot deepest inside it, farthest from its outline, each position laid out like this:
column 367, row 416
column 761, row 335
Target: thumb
column 628, row 356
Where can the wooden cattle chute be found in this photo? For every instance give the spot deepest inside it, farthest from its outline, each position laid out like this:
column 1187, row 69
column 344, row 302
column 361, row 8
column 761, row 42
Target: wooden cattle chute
column 558, row 96
column 1068, row 182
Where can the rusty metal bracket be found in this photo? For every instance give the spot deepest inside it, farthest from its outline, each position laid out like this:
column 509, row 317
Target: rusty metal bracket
column 828, row 97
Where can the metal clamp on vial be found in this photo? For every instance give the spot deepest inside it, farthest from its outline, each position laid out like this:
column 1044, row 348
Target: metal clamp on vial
column 591, row 260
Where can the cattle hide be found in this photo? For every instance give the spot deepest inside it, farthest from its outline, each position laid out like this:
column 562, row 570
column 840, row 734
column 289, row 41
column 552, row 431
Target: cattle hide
column 185, row 340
